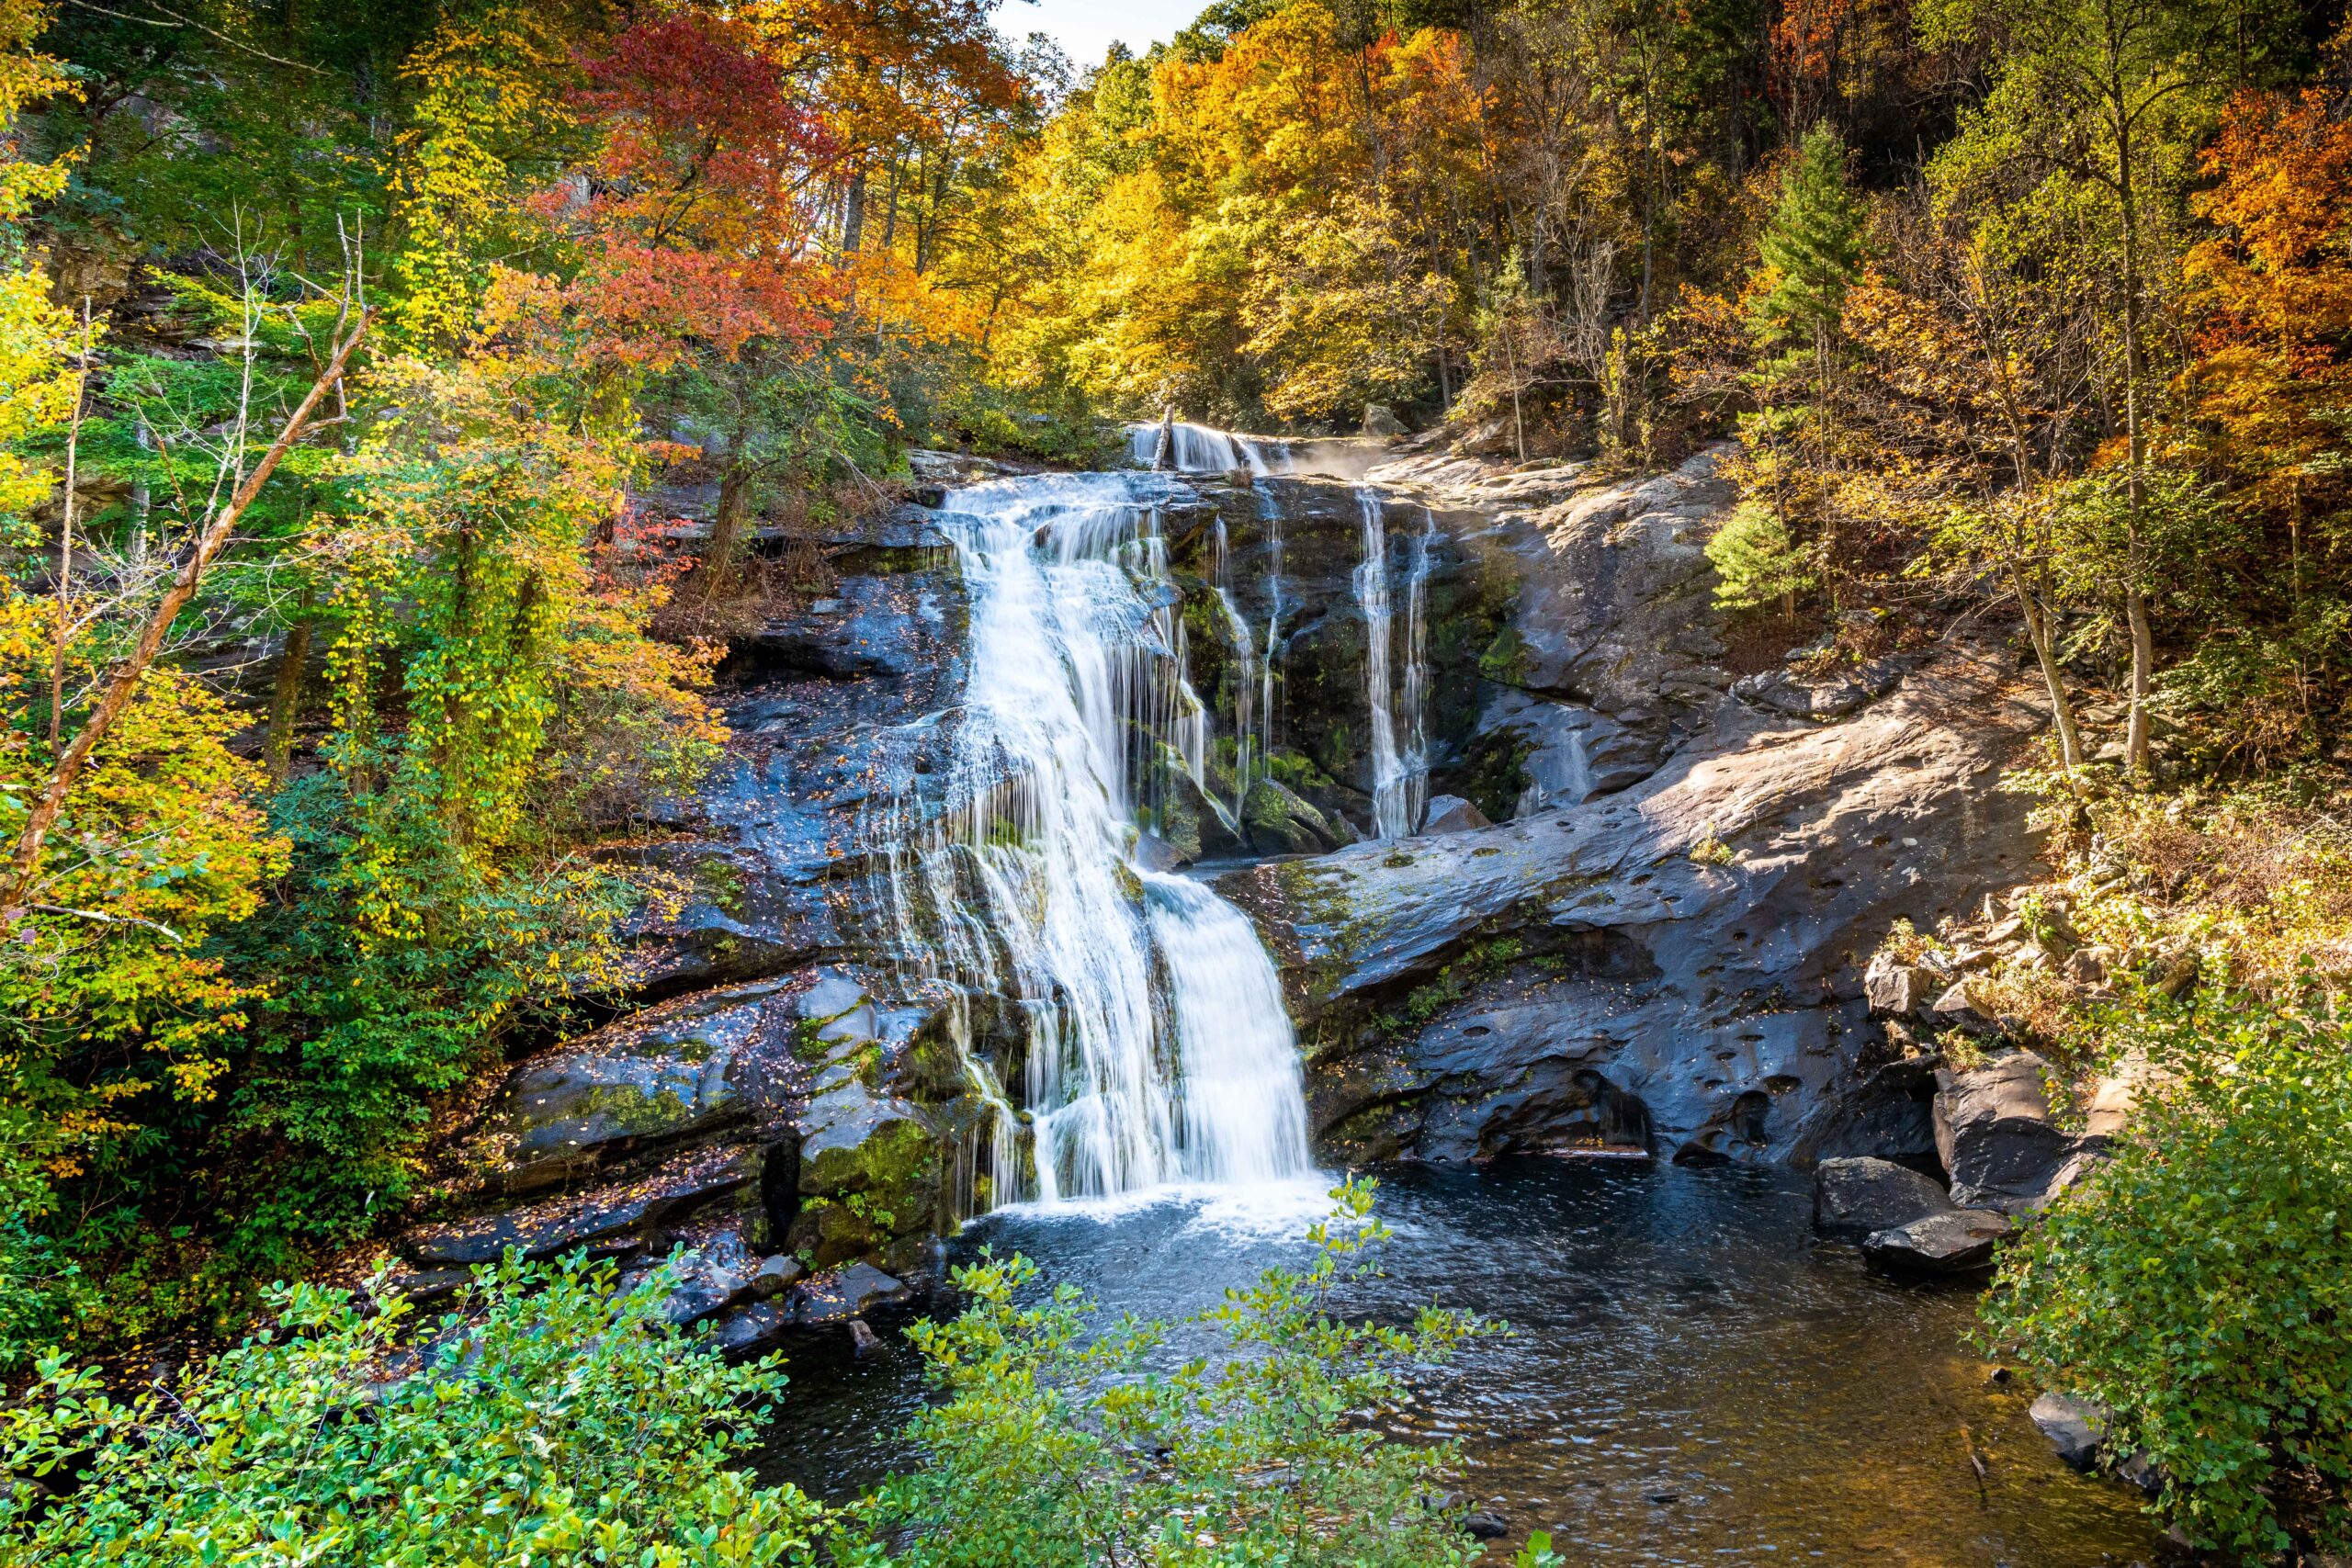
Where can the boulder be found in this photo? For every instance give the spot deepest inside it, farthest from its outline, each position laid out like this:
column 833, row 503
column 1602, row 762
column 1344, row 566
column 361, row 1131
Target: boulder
column 775, row 1276
column 1825, row 697
column 749, row 1331
column 1380, row 421
column 2076, row 1428
column 1279, row 822
column 1895, row 988
column 1958, row 1006
column 1955, row 1241
column 1856, row 1196
column 1452, row 814
column 1995, row 1135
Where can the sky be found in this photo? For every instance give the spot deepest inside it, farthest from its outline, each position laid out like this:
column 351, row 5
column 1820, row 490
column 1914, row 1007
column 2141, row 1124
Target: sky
column 1086, row 29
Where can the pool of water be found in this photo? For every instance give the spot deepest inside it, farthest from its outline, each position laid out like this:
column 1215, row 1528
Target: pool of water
column 1694, row 1378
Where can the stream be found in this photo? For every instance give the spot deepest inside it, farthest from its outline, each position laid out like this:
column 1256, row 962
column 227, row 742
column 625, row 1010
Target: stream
column 1692, row 1378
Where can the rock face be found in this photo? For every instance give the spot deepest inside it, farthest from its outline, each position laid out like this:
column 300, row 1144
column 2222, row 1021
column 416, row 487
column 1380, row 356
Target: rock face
column 1632, row 924
column 1995, row 1135
column 1675, row 965
column 1854, row 1197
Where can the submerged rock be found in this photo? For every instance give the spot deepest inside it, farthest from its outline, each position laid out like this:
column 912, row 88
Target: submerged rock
column 1857, row 1196
column 2076, row 1428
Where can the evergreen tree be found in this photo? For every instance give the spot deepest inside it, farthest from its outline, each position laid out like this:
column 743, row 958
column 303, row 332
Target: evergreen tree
column 1757, row 561
column 1814, row 241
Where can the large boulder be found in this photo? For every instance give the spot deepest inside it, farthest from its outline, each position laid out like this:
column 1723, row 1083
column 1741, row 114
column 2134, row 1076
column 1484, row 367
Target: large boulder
column 611, row 1220
column 1995, row 1134
column 1279, row 822
column 1951, row 1241
column 1895, row 988
column 1854, row 1197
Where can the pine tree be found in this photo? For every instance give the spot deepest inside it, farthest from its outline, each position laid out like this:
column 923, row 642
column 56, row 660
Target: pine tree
column 1756, row 563
column 1814, row 241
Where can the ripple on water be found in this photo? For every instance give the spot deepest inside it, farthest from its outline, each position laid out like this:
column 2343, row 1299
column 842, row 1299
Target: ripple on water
column 1691, row 1380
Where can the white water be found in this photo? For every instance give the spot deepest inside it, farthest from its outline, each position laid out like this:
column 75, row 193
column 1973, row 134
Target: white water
column 1399, row 762
column 1198, row 449
column 1158, row 1048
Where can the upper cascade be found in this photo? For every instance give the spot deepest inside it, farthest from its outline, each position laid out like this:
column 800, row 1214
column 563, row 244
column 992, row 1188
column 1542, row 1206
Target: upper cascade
column 1153, row 1042
column 1198, row 449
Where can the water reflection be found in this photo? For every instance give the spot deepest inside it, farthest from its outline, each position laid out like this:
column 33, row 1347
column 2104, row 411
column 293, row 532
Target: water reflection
column 1693, row 1380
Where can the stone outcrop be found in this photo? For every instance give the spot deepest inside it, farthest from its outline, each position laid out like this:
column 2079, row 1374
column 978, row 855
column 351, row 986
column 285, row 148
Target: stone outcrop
column 1676, row 963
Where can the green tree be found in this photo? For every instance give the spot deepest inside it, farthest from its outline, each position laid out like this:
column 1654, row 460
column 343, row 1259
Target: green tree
column 1756, row 563
column 2095, row 106
column 1813, row 246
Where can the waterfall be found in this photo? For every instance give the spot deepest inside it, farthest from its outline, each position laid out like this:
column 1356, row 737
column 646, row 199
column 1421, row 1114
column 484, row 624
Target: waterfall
column 1399, row 764
column 1198, row 449
column 1156, row 1047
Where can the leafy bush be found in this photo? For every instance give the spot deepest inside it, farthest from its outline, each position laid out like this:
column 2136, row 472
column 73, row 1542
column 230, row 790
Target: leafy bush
column 2200, row 1287
column 1055, row 1449
column 545, row 1421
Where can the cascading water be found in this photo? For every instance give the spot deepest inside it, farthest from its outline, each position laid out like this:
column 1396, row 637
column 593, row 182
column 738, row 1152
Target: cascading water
column 1157, row 1048
column 1399, row 762
column 1198, row 449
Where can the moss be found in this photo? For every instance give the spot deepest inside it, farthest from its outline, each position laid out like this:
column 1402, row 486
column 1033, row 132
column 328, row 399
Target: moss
column 720, row 884
column 1505, row 659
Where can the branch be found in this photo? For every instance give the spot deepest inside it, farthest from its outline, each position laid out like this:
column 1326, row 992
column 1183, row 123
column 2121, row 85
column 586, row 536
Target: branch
column 26, row 860
column 179, row 21
column 175, row 937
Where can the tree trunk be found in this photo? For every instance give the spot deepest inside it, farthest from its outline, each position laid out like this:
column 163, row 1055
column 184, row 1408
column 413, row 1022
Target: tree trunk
column 2135, row 600
column 725, row 530
column 123, row 685
column 2037, row 631
column 286, row 693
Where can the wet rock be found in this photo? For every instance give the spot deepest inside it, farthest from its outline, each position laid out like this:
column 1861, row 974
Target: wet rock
column 862, row 1340
column 1492, row 990
column 2077, row 1429
column 1955, row 1241
column 852, row 1292
column 425, row 1287
column 1857, row 1196
column 1280, row 823
column 607, row 1221
column 1486, row 1524
column 680, row 1072
column 1452, row 814
column 1995, row 1135
column 1531, row 754
column 775, row 1276
column 749, row 1331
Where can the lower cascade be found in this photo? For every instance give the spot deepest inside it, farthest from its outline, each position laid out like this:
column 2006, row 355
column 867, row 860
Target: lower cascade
column 1148, row 1017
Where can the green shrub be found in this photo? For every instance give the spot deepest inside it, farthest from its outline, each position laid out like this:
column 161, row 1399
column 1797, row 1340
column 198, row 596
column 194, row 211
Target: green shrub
column 2200, row 1287
column 545, row 1421
column 1055, row 1449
